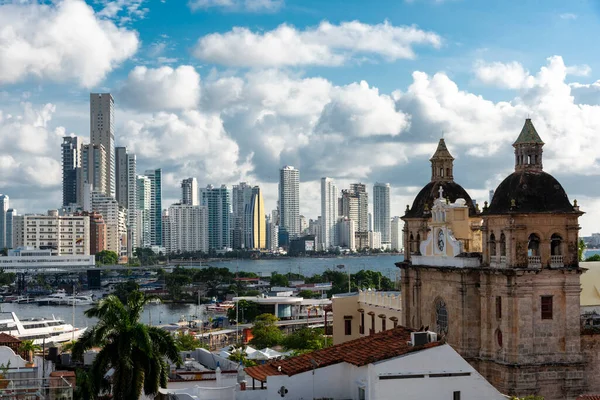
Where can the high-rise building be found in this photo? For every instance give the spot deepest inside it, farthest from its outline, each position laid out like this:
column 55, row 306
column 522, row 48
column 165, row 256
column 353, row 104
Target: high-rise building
column 126, row 192
column 186, row 228
column 396, row 234
column 256, row 237
column 115, row 219
column 156, row 234
column 143, row 235
column 381, row 212
column 189, row 192
column 11, row 213
column 289, row 203
column 93, row 159
column 71, row 162
column 360, row 191
column 219, row 204
column 97, row 231
column 272, row 234
column 347, row 233
column 4, row 200
column 241, row 198
column 64, row 235
column 329, row 213
column 102, row 132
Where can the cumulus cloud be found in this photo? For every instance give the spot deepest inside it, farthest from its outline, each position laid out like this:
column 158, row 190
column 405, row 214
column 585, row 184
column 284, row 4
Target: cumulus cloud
column 51, row 51
column 326, row 44
column 123, row 10
column 509, row 76
column 586, row 93
column 237, row 5
column 164, row 88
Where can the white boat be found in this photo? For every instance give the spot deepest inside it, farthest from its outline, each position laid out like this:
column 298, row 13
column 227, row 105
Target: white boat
column 24, row 300
column 54, row 298
column 62, row 299
column 39, row 329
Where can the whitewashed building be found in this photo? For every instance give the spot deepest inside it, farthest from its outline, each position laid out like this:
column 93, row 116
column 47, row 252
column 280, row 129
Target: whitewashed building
column 186, row 228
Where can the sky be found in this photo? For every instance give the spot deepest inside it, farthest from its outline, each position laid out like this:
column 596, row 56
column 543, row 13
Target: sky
column 359, row 91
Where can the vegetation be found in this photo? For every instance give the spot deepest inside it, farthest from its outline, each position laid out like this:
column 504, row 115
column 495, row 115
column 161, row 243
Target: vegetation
column 279, row 280
column 595, row 257
column 239, row 355
column 176, row 280
column 308, row 294
column 124, row 289
column 135, row 351
column 187, row 342
column 265, row 333
column 84, row 386
column 247, row 311
column 306, row 339
column 581, row 249
column 7, row 278
column 27, row 347
column 107, row 257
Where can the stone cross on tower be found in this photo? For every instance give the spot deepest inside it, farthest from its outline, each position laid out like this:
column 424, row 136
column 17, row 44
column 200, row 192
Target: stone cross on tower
column 441, row 191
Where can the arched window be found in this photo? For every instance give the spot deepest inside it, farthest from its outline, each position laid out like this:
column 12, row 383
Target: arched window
column 412, row 244
column 442, row 172
column 492, row 245
column 556, row 245
column 533, row 248
column 418, row 249
column 447, row 171
column 441, row 316
column 502, row 245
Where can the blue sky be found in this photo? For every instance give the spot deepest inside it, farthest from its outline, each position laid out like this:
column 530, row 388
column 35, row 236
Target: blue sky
column 231, row 90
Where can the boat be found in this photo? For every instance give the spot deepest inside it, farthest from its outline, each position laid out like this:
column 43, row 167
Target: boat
column 60, row 300
column 54, row 299
column 39, row 330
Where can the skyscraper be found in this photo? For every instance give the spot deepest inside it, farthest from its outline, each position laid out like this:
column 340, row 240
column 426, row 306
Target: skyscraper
column 3, row 231
column 71, row 162
column 381, row 212
column 255, row 215
column 360, row 191
column 186, row 228
column 189, row 192
column 93, row 158
column 11, row 213
column 126, row 175
column 241, row 197
column 155, row 176
column 102, row 132
column 329, row 213
column 396, row 234
column 289, row 203
column 114, row 217
column 219, row 204
column 143, row 236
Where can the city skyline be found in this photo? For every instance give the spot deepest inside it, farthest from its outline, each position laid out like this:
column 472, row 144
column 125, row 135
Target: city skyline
column 195, row 101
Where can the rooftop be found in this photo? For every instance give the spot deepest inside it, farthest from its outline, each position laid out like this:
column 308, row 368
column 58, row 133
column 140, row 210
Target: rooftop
column 528, row 134
column 6, row 338
column 359, row 352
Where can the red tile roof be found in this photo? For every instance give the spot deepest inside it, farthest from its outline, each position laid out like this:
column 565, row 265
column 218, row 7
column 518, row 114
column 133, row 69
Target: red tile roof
column 6, row 338
column 588, row 397
column 365, row 350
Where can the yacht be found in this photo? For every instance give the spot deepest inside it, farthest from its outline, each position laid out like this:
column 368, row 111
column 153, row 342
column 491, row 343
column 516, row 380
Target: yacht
column 39, row 329
column 54, row 298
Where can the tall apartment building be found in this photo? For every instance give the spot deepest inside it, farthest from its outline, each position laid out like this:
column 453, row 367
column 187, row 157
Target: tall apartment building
column 115, row 219
column 126, row 192
column 186, row 228
column 4, row 206
column 381, row 212
column 11, row 213
column 143, row 205
column 256, row 234
column 347, row 233
column 219, row 207
column 241, row 196
column 360, row 191
column 93, row 171
column 289, row 203
column 329, row 214
column 189, row 192
column 97, row 231
column 396, row 234
column 71, row 163
column 64, row 235
column 156, row 233
column 272, row 233
column 102, row 132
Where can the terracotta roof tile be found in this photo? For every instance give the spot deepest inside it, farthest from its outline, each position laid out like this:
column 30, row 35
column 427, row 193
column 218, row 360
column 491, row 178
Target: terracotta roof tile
column 6, row 338
column 365, row 350
column 588, row 397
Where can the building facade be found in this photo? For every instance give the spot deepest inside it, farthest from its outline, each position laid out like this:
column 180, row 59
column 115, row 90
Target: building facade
column 381, row 212
column 329, row 214
column 63, row 235
column 102, row 132
column 219, row 207
column 256, row 237
column 71, row 163
column 4, row 206
column 143, row 206
column 186, row 229
column 289, row 202
column 396, row 234
column 93, row 171
column 241, row 198
column 115, row 219
column 189, row 192
column 126, row 174
column 156, row 233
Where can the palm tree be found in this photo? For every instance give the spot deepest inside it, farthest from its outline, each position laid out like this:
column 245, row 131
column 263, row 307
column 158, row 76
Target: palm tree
column 135, row 352
column 27, row 347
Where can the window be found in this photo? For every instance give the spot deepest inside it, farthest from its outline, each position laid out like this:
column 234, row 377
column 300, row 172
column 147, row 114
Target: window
column 492, row 245
column 361, row 328
column 546, row 307
column 502, row 245
column 372, row 330
column 383, row 320
column 555, row 245
column 347, row 327
column 498, row 307
column 456, row 396
column 361, row 393
column 499, row 337
column 533, row 248
column 441, row 316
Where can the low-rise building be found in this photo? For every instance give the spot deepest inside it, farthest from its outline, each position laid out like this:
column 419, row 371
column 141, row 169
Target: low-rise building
column 28, row 258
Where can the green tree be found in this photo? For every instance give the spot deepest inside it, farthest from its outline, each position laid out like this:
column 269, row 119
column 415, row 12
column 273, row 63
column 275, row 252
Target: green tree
column 137, row 352
column 27, row 347
column 265, row 333
column 175, row 281
column 306, row 339
column 307, row 294
column 124, row 289
column 247, row 311
column 107, row 257
column 581, row 249
column 187, row 342
column 595, row 257
column 279, row 280
column 84, row 386
column 7, row 278
column 239, row 355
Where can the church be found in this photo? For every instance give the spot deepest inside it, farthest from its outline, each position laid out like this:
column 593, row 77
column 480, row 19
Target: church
column 501, row 284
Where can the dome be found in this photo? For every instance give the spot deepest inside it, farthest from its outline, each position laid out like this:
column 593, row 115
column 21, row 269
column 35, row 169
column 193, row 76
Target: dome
column 430, row 192
column 532, row 192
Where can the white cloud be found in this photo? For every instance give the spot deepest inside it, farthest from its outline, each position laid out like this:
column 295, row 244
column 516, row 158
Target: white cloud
column 161, row 88
column 123, row 10
column 51, row 51
column 569, row 16
column 238, row 5
column 579, row 70
column 510, row 75
column 327, row 44
column 586, row 93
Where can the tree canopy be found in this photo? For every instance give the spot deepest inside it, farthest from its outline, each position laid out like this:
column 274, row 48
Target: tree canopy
column 265, row 333
column 306, row 339
column 107, row 257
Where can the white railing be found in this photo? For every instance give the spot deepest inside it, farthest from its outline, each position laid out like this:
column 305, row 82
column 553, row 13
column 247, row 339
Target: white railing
column 556, row 261
column 534, row 262
column 380, row 299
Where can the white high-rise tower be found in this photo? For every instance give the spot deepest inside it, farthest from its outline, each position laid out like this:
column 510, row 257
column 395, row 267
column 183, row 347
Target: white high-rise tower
column 381, row 212
column 329, row 213
column 3, row 231
column 189, row 192
column 289, row 202
column 126, row 174
column 102, row 132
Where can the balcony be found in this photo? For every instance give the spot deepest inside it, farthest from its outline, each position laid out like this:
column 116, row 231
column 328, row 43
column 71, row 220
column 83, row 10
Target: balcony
column 556, row 261
column 534, row 262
